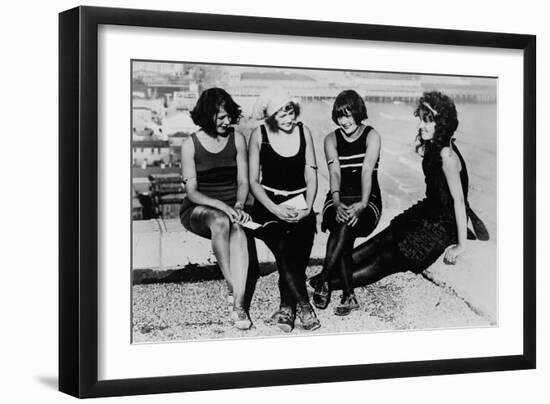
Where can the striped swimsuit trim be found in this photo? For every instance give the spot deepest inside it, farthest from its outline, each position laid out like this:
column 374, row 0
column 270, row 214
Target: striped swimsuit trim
column 371, row 205
column 355, row 165
column 355, row 160
column 362, row 155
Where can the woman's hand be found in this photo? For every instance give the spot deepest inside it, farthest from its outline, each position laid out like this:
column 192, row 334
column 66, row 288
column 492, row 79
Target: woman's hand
column 242, row 216
column 354, row 211
column 302, row 213
column 342, row 215
column 452, row 253
column 229, row 211
column 285, row 213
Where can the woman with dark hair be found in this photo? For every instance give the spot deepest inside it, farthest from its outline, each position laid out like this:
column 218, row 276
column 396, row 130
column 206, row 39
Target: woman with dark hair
column 215, row 174
column 435, row 225
column 353, row 205
column 283, row 180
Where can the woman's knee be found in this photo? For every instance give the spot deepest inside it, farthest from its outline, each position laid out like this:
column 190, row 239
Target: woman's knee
column 342, row 235
column 219, row 223
column 238, row 231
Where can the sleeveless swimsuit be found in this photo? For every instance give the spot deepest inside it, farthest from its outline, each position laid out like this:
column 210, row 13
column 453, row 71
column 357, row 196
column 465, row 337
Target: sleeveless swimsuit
column 281, row 177
column 423, row 232
column 216, row 175
column 350, row 157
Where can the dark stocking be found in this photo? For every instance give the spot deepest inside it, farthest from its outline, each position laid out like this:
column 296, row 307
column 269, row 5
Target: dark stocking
column 291, row 247
column 253, row 270
column 373, row 260
column 338, row 259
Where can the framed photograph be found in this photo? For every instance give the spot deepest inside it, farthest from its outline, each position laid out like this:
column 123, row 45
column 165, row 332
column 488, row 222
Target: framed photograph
column 252, row 202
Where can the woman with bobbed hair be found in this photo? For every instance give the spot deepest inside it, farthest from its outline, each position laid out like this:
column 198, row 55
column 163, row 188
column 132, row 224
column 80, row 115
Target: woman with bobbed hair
column 433, row 226
column 353, row 205
column 215, row 173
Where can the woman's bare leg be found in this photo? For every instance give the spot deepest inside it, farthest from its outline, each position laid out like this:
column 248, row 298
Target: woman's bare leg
column 230, row 248
column 220, row 228
column 238, row 262
column 214, row 224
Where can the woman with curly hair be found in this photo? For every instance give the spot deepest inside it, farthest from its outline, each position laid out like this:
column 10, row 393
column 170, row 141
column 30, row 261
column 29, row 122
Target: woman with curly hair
column 353, row 205
column 433, row 226
column 215, row 172
column 283, row 180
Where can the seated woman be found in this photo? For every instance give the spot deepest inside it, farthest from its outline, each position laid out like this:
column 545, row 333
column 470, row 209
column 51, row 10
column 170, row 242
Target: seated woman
column 435, row 225
column 283, row 180
column 353, row 205
column 215, row 172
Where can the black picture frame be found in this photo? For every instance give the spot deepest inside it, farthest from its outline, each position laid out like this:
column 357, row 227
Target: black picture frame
column 78, row 196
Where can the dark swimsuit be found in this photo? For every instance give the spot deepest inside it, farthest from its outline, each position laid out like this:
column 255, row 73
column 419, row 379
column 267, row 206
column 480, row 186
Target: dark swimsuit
column 282, row 178
column 216, row 175
column 423, row 232
column 350, row 157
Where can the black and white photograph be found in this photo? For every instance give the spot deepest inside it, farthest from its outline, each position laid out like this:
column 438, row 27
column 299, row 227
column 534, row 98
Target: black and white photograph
column 276, row 201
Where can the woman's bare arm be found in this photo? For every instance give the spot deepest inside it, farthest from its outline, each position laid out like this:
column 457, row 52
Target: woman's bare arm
column 254, row 171
column 242, row 169
column 310, row 171
column 451, row 169
column 335, row 176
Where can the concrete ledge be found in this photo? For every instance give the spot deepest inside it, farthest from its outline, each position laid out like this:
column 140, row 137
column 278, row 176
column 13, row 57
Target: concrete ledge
column 473, row 278
column 159, row 245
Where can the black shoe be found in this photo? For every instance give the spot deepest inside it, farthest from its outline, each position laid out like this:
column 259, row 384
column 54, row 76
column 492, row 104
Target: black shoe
column 283, row 319
column 307, row 317
column 312, row 282
column 321, row 295
column 346, row 306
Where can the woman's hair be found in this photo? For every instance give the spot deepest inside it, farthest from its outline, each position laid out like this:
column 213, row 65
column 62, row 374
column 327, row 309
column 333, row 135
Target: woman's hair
column 349, row 102
column 436, row 107
column 271, row 122
column 209, row 104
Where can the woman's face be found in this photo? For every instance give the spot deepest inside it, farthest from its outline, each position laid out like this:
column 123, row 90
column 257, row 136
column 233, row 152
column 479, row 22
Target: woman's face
column 222, row 121
column 286, row 118
column 426, row 126
column 347, row 122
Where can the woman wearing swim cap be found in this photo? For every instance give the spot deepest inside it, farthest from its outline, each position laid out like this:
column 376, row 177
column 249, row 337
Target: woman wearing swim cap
column 283, row 180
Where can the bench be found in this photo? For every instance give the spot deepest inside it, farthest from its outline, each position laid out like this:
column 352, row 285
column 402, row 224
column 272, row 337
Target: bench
column 166, row 194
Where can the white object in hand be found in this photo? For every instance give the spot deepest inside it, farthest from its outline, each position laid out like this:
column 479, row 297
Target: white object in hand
column 297, row 202
column 251, row 225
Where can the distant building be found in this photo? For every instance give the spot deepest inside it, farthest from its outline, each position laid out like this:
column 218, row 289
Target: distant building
column 283, row 79
column 177, row 139
column 246, row 86
column 153, row 69
column 151, row 152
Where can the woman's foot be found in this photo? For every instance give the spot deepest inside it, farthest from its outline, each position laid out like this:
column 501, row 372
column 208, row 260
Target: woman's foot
column 347, row 305
column 307, row 317
column 230, row 299
column 283, row 318
column 321, row 294
column 240, row 318
column 312, row 282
